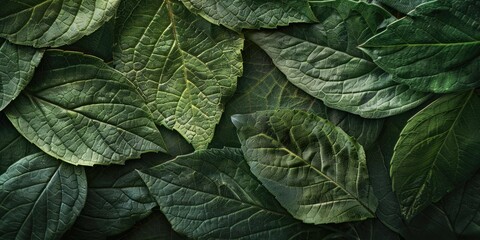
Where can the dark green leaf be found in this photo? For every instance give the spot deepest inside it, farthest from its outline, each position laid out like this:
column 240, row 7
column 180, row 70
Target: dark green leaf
column 211, row 194
column 315, row 170
column 82, row 111
column 403, row 6
column 432, row 223
column 13, row 146
column 437, row 150
column 436, row 48
column 52, row 23
column 17, row 64
column 323, row 60
column 40, row 198
column 181, row 63
column 238, row 14
column 373, row 229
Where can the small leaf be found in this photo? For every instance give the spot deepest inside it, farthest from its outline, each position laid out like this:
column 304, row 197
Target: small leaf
column 323, row 60
column 17, row 64
column 437, row 150
column 41, row 197
column 314, row 169
column 183, row 65
column 252, row 14
column 82, row 111
column 52, row 23
column 435, row 48
column 211, row 194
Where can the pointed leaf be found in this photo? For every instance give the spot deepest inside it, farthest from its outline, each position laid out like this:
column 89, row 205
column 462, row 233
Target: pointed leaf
column 211, row 194
column 182, row 64
column 254, row 14
column 435, row 48
column 41, row 197
column 437, row 150
column 323, row 60
column 52, row 23
column 17, row 64
column 403, row 6
column 315, row 170
column 82, row 111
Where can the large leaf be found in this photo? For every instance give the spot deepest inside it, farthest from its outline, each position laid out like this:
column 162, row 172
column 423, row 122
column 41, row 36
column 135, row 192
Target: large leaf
column 437, row 150
column 117, row 198
column 264, row 87
column 17, row 64
column 432, row 223
column 435, row 48
column 40, row 198
column 241, row 14
column 211, row 194
column 82, row 111
column 52, row 23
column 403, row 6
column 315, row 170
column 373, row 229
column 13, row 146
column 182, row 64
column 323, row 60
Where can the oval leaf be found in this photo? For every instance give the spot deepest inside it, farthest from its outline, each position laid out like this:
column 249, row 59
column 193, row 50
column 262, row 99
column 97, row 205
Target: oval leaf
column 437, row 150
column 315, row 170
column 181, row 63
column 254, row 14
column 323, row 60
column 211, row 194
column 82, row 111
column 435, row 48
column 52, row 23
column 41, row 198
column 17, row 64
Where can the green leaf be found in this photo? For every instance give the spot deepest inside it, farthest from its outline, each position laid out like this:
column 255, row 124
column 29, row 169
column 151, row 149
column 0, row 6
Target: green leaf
column 436, row 48
column 432, row 223
column 314, row 169
column 82, row 111
column 181, row 63
column 117, row 198
column 52, row 23
column 323, row 60
column 211, row 194
column 437, row 150
column 403, row 6
column 462, row 207
column 17, row 64
column 13, row 146
column 252, row 14
column 373, row 229
column 41, row 197
column 264, row 87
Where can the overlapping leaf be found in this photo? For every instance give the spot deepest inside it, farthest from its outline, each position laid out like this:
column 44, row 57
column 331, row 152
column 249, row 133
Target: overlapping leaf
column 254, row 14
column 52, row 23
column 211, row 194
column 435, row 48
column 315, row 170
column 183, row 65
column 82, row 111
column 437, row 150
column 40, row 198
column 17, row 64
column 323, row 60
column 403, row 6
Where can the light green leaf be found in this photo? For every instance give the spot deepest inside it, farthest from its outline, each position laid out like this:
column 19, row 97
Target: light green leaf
column 323, row 60
column 437, row 150
column 211, row 194
column 82, row 111
column 183, row 65
column 13, row 146
column 403, row 6
column 435, row 48
column 264, row 87
column 52, row 23
column 17, row 64
column 314, row 169
column 40, row 198
column 253, row 14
